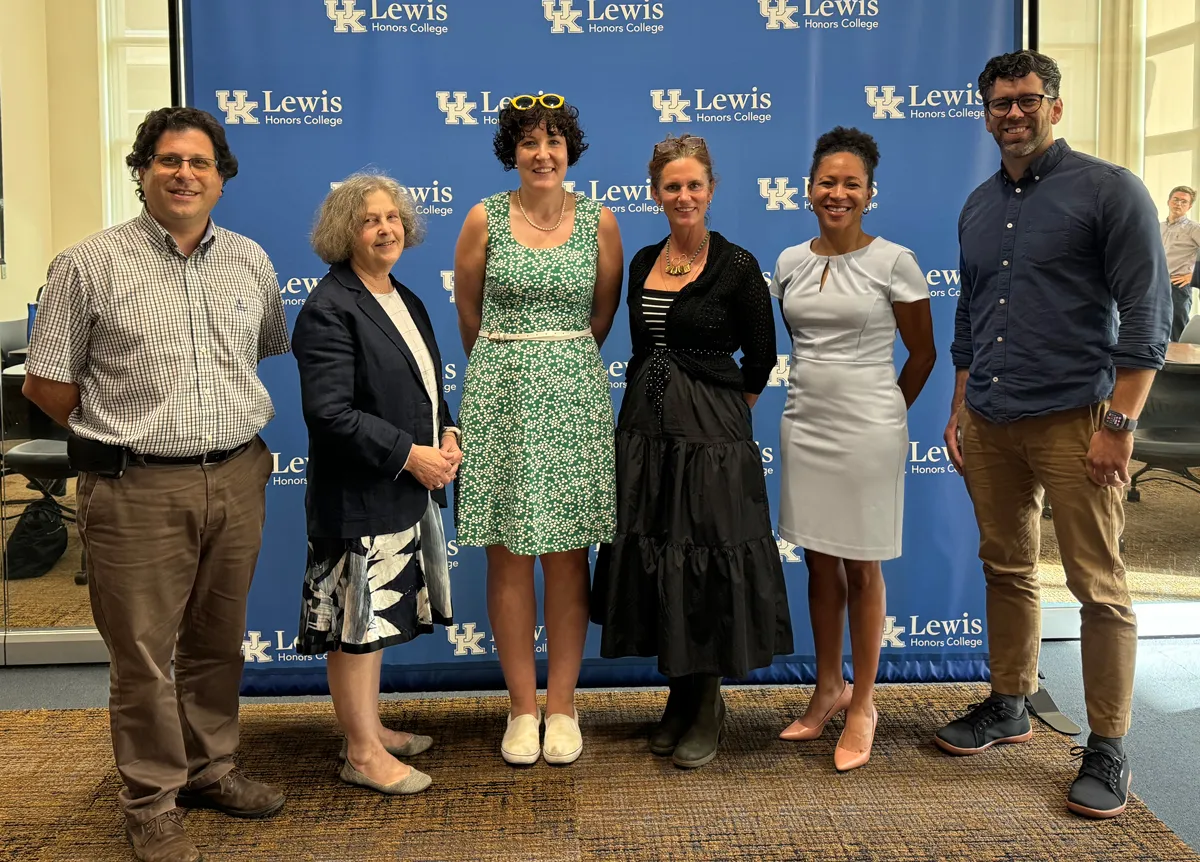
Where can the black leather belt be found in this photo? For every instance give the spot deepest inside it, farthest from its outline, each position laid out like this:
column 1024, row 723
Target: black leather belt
column 206, row 458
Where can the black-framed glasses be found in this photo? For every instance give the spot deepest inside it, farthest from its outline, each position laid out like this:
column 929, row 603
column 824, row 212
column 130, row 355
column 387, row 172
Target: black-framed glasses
column 199, row 165
column 1029, row 104
column 549, row 101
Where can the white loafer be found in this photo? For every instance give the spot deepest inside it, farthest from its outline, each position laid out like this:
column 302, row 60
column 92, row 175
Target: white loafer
column 563, row 743
column 521, row 745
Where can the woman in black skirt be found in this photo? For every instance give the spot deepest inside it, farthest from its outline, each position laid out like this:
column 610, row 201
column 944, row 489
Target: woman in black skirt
column 693, row 574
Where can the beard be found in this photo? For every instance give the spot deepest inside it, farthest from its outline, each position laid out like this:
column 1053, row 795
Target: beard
column 1020, row 149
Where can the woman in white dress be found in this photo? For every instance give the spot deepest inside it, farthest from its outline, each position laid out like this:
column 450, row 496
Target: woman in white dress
column 844, row 435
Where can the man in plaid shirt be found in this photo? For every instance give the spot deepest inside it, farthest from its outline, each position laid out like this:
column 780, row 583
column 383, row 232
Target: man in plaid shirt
column 146, row 345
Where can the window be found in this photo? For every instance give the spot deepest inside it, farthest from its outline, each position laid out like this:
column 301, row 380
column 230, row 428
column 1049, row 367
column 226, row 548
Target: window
column 1172, row 97
column 136, row 79
column 1131, row 84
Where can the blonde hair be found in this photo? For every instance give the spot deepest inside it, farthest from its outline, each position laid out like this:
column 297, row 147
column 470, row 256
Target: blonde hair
column 672, row 148
column 339, row 219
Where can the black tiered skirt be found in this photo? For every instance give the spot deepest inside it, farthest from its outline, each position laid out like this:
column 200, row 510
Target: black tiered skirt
column 693, row 574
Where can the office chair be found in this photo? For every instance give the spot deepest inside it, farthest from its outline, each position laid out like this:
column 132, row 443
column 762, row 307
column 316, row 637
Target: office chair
column 1167, row 438
column 1191, row 332
column 46, row 465
column 13, row 336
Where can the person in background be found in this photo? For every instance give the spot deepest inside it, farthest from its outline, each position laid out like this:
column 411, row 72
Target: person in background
column 693, row 575
column 1181, row 239
column 844, row 296
column 537, row 275
column 381, row 450
column 1062, row 323
column 146, row 344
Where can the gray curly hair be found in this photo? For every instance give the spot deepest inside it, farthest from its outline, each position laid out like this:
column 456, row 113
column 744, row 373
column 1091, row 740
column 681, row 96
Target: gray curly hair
column 340, row 216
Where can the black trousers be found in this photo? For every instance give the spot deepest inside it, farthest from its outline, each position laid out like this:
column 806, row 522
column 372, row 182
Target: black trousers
column 1181, row 302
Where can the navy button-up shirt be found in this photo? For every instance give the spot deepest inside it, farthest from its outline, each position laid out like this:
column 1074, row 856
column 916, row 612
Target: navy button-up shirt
column 1064, row 279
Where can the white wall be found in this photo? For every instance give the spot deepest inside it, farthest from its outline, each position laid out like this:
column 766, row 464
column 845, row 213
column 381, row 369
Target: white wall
column 25, row 114
column 52, row 138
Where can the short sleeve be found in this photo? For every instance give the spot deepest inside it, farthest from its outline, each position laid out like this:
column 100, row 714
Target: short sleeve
column 273, row 333
column 776, row 284
column 908, row 282
column 58, row 345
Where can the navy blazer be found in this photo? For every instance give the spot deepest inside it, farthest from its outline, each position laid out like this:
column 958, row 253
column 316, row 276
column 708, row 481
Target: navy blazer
column 365, row 406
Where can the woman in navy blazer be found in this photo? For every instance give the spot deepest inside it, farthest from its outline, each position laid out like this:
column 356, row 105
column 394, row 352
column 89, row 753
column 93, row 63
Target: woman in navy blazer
column 382, row 449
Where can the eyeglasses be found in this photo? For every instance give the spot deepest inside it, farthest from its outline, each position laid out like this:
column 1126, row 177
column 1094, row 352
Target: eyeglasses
column 1179, row 200
column 1028, row 104
column 691, row 143
column 174, row 163
column 549, row 101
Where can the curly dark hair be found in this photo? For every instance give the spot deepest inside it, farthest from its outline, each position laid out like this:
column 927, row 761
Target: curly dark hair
column 177, row 120
column 1018, row 64
column 839, row 139
column 515, row 125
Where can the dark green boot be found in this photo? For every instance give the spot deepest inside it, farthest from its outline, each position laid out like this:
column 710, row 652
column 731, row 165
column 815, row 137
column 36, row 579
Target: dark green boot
column 676, row 718
column 699, row 745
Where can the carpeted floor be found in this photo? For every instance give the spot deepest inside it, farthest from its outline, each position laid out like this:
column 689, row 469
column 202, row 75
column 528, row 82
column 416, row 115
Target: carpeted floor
column 761, row 799
column 1162, row 547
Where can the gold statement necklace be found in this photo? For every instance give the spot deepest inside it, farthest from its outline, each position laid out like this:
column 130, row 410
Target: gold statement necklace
column 683, row 267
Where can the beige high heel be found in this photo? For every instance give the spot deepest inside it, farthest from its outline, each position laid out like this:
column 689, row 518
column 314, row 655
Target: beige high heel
column 798, row 731
column 844, row 759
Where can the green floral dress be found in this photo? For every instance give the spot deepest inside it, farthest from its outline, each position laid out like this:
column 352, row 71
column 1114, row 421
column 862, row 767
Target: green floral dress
column 537, row 473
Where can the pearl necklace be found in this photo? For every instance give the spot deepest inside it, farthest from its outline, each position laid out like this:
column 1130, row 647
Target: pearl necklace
column 562, row 214
column 683, row 267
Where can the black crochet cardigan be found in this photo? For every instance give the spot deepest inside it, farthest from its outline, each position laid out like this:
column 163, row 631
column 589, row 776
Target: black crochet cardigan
column 728, row 308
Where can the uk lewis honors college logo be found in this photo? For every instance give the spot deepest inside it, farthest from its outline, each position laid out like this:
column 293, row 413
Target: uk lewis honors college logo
column 276, row 109
column 706, row 106
column 918, row 103
column 859, row 15
column 601, row 16
column 427, row 18
column 466, row 108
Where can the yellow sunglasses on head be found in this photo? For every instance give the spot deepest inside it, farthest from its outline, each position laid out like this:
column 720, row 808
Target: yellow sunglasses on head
column 550, row 101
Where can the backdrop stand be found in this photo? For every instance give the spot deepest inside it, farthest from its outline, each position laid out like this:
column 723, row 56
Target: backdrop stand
column 1041, row 703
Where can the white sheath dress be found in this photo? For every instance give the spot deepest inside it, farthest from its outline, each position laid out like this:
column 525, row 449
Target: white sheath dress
column 844, row 433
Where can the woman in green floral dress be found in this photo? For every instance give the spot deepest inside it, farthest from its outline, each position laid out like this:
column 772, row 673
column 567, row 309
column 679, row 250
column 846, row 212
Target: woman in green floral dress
column 537, row 281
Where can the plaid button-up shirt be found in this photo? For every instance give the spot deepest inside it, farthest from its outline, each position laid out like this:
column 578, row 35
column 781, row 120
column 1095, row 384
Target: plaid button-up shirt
column 164, row 348
column 1182, row 242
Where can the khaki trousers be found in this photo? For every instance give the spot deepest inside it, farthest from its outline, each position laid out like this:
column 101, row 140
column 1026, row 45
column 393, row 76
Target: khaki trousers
column 1004, row 466
column 170, row 555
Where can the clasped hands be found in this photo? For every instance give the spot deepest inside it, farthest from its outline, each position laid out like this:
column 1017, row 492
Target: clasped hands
column 433, row 467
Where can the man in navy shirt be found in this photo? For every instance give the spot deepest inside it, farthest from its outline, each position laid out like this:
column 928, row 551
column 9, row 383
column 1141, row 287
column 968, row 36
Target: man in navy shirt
column 1062, row 323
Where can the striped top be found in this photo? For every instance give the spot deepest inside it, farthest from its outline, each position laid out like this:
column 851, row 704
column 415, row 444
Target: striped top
column 655, row 305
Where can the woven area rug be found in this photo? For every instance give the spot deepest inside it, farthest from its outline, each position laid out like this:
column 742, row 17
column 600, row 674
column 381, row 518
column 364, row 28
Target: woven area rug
column 761, row 799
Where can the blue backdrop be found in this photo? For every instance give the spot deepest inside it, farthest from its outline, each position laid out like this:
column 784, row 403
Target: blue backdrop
column 313, row 90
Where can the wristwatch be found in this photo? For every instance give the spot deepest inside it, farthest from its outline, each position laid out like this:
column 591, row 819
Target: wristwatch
column 1115, row 421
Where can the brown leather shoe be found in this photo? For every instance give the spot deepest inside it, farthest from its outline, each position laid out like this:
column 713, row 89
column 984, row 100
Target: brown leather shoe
column 235, row 795
column 162, row 839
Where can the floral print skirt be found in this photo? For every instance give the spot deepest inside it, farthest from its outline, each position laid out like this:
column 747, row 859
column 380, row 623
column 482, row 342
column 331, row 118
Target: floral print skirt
column 364, row 594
